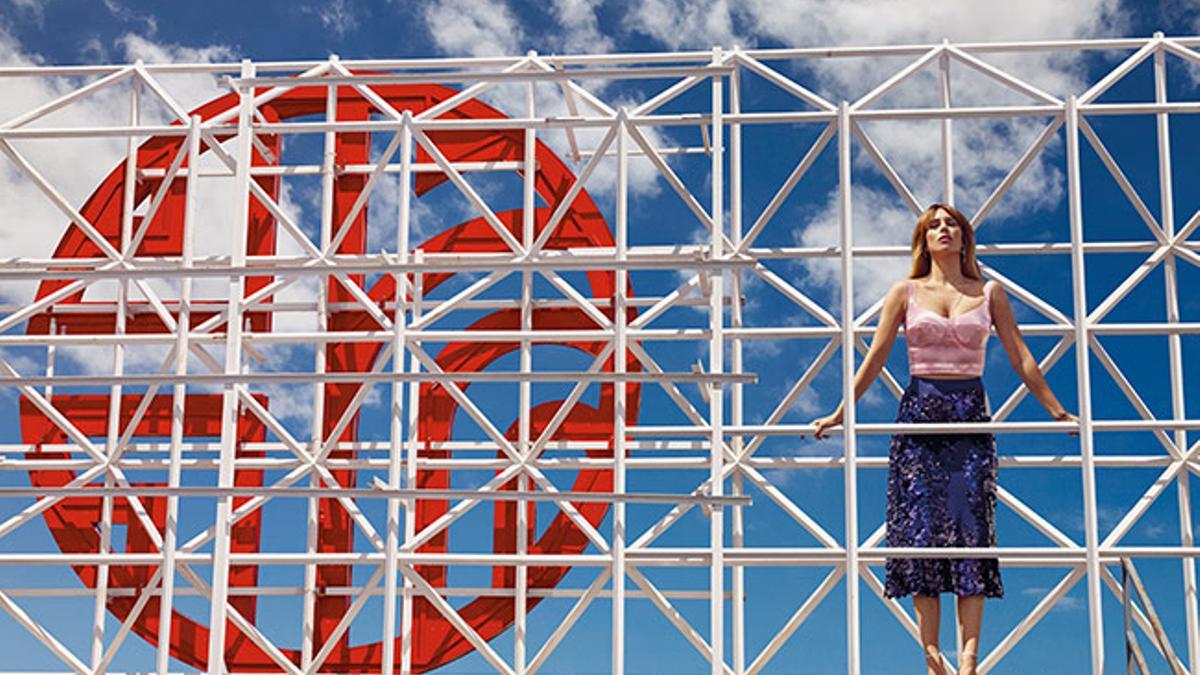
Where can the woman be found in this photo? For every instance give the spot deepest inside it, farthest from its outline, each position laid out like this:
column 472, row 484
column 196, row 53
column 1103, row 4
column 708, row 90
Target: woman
column 942, row 488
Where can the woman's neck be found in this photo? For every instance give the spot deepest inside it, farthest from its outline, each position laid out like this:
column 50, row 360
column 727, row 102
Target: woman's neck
column 946, row 269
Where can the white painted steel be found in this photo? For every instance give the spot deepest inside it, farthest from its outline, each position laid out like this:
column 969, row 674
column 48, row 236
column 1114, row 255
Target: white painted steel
column 716, row 365
column 849, row 440
column 620, row 400
column 1083, row 372
column 721, row 444
column 233, row 364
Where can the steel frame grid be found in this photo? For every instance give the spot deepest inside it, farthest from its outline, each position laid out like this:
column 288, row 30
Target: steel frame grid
column 729, row 447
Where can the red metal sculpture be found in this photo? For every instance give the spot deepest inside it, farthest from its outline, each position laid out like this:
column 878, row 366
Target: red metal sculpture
column 73, row 521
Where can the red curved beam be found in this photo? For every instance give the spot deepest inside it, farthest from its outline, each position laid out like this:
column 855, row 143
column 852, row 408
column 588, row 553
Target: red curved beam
column 436, row 642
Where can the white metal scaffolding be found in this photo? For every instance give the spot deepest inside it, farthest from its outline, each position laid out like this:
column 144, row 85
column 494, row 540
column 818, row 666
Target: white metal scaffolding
column 387, row 490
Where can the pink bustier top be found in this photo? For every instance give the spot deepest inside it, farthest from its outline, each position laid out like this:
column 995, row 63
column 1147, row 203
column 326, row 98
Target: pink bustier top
column 946, row 346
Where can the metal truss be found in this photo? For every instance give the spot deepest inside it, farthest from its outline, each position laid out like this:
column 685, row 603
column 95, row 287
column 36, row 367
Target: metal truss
column 200, row 437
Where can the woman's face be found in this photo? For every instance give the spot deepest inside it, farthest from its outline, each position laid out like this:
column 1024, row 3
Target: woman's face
column 943, row 234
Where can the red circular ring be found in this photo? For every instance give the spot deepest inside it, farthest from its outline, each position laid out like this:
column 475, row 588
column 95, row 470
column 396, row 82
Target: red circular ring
column 436, row 642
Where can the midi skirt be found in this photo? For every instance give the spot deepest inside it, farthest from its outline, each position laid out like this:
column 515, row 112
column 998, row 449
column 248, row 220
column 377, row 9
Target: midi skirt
column 942, row 493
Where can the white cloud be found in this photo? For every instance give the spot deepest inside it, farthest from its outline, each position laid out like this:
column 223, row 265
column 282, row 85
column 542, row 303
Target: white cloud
column 24, row 363
column 488, row 28
column 29, row 223
column 34, row 9
column 137, row 46
column 124, row 14
column 93, row 51
column 885, row 220
column 474, row 27
column 31, row 226
column 336, row 15
column 1065, row 603
column 984, row 149
column 691, row 24
column 579, row 27
column 894, row 21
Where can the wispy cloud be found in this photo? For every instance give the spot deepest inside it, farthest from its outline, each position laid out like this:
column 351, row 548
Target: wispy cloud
column 474, row 27
column 490, row 28
column 32, row 224
column 138, row 46
column 123, row 13
column 984, row 150
column 693, row 24
column 1067, row 603
column 33, row 10
column 339, row 16
column 580, row 27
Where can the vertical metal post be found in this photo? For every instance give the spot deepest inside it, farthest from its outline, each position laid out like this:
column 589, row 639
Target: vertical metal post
column 396, row 446
column 48, row 392
column 178, row 400
column 233, row 361
column 620, row 355
column 716, row 359
column 114, row 401
column 417, row 293
column 524, row 397
column 1083, row 378
column 738, row 572
column 846, row 227
column 1127, row 614
column 947, row 129
column 1175, row 357
column 317, row 426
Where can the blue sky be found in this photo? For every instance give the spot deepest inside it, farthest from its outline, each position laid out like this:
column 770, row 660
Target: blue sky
column 61, row 32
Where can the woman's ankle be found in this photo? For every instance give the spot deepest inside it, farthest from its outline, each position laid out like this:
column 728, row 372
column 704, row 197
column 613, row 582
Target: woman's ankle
column 933, row 660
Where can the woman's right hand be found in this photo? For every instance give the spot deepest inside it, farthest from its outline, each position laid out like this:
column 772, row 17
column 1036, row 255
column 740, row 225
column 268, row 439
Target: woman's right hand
column 822, row 424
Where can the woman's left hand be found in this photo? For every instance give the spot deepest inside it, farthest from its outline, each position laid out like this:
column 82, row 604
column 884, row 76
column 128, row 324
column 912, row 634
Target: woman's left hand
column 1064, row 416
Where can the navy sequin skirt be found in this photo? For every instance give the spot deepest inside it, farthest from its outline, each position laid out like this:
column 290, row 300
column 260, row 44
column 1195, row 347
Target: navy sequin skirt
column 942, row 492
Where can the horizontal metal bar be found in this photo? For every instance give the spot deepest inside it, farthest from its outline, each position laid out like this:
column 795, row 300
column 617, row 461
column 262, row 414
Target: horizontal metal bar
column 455, row 77
column 684, row 252
column 1040, row 556
column 921, row 429
column 635, row 58
column 378, row 492
column 349, row 169
column 330, row 266
column 683, row 119
column 547, row 336
column 438, row 261
column 687, row 463
column 348, row 591
column 107, row 381
column 136, row 308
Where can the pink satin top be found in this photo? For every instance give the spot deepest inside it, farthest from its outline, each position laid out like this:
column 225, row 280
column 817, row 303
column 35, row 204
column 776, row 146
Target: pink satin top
column 938, row 345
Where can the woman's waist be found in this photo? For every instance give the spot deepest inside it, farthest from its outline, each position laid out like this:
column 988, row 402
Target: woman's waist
column 948, row 383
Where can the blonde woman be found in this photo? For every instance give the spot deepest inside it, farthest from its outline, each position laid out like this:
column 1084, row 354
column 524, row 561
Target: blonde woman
column 942, row 488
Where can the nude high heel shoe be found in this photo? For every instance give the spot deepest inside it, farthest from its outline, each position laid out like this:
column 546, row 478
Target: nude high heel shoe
column 933, row 661
column 966, row 663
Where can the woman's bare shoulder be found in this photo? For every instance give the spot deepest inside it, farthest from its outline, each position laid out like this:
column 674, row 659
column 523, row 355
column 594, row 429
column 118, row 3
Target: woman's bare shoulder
column 898, row 289
column 897, row 294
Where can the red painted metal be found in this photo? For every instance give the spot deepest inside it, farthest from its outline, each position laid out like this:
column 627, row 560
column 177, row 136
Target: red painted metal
column 436, row 642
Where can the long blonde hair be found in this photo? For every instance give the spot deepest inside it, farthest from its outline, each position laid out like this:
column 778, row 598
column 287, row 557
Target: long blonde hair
column 921, row 262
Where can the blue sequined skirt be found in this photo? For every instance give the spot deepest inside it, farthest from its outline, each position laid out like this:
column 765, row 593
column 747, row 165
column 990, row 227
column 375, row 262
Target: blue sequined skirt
column 942, row 492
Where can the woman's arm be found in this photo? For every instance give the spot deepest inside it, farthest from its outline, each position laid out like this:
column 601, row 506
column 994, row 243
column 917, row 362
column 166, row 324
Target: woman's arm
column 1020, row 358
column 890, row 316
